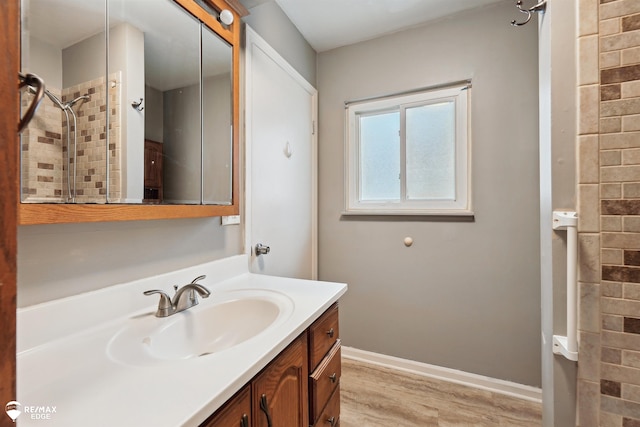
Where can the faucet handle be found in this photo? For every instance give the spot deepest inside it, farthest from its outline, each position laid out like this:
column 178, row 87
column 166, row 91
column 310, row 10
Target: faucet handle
column 165, row 306
column 165, row 300
column 204, row 276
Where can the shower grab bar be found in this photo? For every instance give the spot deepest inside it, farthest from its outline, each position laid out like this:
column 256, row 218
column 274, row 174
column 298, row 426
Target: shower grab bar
column 31, row 80
column 568, row 345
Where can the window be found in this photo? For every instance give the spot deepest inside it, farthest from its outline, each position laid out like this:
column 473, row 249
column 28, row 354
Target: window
column 409, row 154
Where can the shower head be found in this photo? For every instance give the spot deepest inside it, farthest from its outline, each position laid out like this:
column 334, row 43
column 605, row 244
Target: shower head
column 84, row 97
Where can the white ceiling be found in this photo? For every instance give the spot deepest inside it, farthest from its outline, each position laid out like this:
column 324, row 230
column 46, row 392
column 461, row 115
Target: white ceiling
column 327, row 24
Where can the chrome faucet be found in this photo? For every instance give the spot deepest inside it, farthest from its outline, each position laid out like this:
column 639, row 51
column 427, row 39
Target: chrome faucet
column 184, row 298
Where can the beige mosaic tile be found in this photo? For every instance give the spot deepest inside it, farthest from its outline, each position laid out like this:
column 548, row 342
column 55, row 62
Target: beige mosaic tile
column 630, row 89
column 589, row 308
column 588, row 52
column 630, row 56
column 608, row 419
column 618, row 8
column 588, row 403
column 631, row 224
column 631, row 190
column 612, row 323
column 620, row 41
column 621, row 307
column 611, row 191
column 588, row 122
column 610, row 26
column 588, row 17
column 623, row 407
column 589, row 257
column 619, row 173
column 631, row 359
column 610, row 125
column 619, row 107
column 631, row 392
column 610, row 158
column 588, row 201
column 610, row 59
column 589, row 355
column 588, row 149
column 610, row 223
column 631, row 123
column 611, row 256
column 631, row 157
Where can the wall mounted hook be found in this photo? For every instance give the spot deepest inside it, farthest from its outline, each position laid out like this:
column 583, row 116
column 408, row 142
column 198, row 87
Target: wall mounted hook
column 137, row 105
column 287, row 150
column 540, row 7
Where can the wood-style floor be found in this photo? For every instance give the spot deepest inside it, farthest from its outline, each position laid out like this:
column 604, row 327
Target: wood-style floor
column 376, row 396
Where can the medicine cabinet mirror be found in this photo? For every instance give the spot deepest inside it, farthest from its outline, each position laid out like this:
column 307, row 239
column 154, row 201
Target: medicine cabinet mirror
column 139, row 117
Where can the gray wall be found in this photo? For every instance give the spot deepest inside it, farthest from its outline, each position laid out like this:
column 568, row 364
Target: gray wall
column 91, row 54
column 270, row 22
column 466, row 295
column 181, row 149
column 44, row 60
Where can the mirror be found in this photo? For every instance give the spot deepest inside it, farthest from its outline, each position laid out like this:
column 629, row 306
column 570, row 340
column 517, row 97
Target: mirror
column 150, row 120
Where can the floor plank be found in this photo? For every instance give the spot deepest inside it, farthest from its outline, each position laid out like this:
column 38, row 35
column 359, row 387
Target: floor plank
column 372, row 396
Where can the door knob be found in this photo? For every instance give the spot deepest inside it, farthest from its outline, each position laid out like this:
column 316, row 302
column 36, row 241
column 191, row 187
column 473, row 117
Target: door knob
column 262, row 250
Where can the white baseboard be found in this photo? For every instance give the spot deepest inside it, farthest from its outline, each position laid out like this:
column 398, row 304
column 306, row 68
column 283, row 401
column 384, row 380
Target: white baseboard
column 508, row 388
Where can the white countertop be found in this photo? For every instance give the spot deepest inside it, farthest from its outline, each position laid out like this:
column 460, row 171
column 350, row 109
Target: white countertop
column 64, row 368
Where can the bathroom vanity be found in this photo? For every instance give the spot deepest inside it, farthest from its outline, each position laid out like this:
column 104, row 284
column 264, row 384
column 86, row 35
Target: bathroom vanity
column 279, row 395
column 259, row 351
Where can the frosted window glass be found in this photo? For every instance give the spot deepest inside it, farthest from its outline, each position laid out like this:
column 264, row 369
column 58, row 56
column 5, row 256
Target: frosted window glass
column 380, row 156
column 431, row 152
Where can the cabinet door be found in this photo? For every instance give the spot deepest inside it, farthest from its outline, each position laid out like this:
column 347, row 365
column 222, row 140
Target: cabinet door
column 235, row 413
column 152, row 164
column 280, row 392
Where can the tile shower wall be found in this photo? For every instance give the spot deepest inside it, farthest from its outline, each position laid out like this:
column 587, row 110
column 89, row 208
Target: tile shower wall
column 609, row 206
column 44, row 148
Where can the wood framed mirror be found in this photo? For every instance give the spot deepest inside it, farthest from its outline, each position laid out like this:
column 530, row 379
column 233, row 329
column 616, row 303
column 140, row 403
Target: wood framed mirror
column 73, row 172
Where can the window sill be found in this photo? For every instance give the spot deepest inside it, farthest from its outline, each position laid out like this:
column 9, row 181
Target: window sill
column 406, row 212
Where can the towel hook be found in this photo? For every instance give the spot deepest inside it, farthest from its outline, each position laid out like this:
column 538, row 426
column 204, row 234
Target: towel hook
column 137, row 105
column 540, row 7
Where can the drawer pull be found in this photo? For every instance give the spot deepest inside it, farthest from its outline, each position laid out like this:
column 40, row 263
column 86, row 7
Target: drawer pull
column 331, row 421
column 264, row 406
column 330, row 333
column 244, row 422
column 333, row 377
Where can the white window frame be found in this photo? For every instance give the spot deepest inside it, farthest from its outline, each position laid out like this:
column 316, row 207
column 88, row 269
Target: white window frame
column 461, row 205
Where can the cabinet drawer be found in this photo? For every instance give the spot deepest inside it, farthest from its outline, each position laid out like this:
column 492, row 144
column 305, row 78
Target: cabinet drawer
column 324, row 380
column 330, row 417
column 323, row 334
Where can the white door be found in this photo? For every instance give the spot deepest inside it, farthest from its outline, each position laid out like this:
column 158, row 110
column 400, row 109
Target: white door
column 281, row 164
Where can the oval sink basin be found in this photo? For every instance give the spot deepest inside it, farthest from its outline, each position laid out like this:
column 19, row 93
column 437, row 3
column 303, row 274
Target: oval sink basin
column 208, row 328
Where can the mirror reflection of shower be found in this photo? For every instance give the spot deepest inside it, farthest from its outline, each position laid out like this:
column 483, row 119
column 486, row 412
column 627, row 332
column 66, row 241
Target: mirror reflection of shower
column 66, row 109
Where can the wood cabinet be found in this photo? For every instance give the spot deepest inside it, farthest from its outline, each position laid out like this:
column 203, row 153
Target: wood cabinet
column 235, row 413
column 299, row 388
column 153, row 173
column 325, row 367
column 280, row 391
